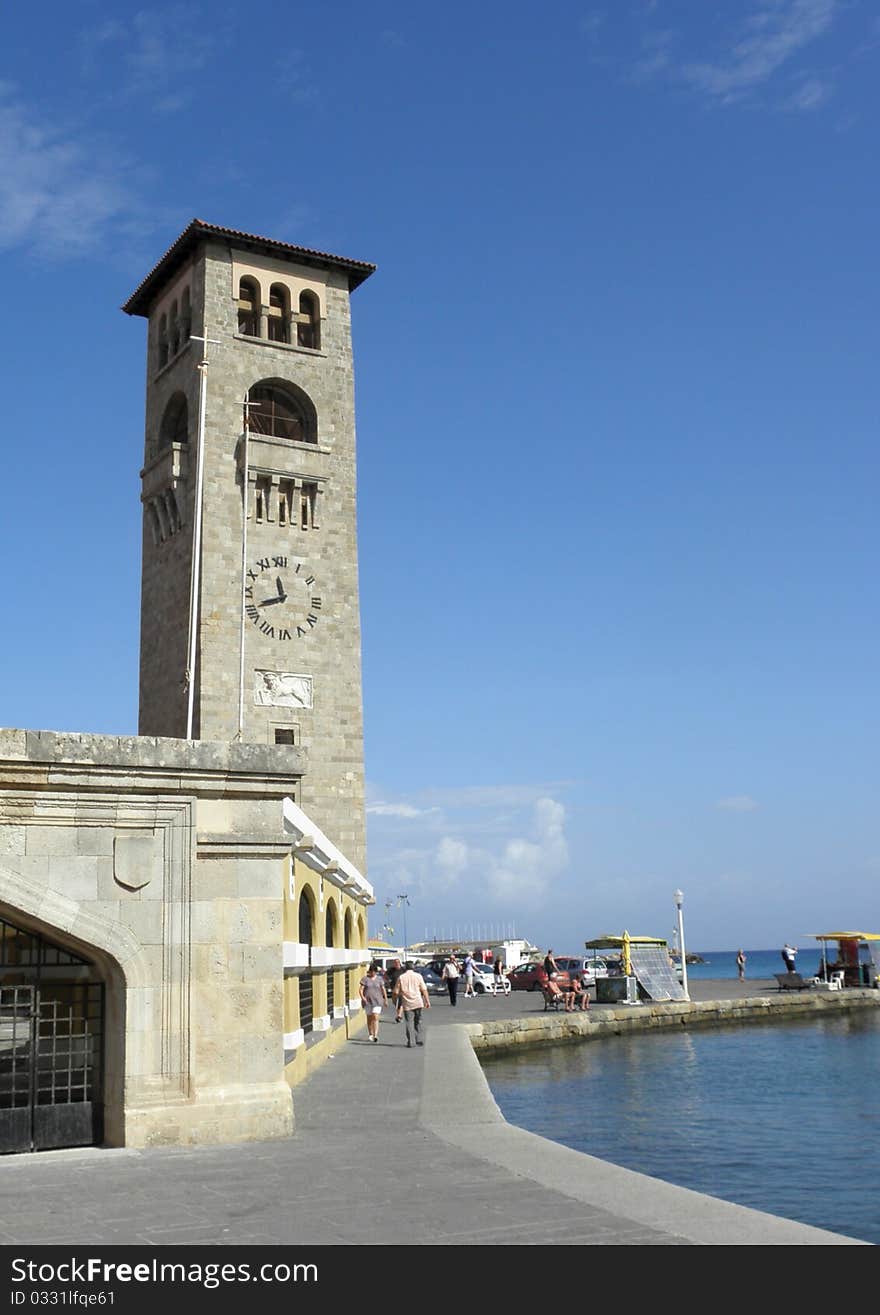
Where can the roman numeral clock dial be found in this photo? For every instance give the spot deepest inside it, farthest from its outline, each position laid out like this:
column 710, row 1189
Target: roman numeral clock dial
column 281, row 598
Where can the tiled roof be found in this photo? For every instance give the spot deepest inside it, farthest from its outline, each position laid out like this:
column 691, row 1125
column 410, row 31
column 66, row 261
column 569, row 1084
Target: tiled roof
column 197, row 231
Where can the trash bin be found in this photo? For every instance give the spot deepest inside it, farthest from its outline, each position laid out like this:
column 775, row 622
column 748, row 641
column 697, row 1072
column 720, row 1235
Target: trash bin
column 617, row 990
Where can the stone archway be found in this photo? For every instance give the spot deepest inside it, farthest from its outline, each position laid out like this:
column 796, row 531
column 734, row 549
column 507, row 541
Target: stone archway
column 86, row 948
column 52, row 1032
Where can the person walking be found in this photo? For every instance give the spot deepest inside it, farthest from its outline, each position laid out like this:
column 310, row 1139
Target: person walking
column 450, row 977
column 391, row 976
column 469, row 976
column 411, row 996
column 373, row 997
column 550, row 965
column 740, row 965
column 498, row 975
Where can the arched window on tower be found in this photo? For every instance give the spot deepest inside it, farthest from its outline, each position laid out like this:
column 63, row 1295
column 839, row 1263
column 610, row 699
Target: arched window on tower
column 280, row 411
column 279, row 313
column 174, row 330
column 249, row 307
column 163, row 341
column 308, row 321
column 185, row 317
column 175, row 422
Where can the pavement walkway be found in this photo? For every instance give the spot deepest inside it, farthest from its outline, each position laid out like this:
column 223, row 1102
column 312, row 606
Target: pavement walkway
column 380, row 1130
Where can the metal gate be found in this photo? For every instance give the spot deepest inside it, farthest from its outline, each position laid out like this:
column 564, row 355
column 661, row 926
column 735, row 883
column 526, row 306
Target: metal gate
column 51, row 1046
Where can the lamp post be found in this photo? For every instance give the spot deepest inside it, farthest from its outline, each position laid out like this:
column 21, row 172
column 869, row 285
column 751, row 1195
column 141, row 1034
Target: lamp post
column 679, row 900
column 404, row 901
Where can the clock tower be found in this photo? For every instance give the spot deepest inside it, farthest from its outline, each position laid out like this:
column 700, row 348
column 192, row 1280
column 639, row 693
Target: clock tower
column 250, row 624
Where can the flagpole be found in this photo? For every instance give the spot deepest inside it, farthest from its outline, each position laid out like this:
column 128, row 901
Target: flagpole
column 244, row 520
column 196, row 564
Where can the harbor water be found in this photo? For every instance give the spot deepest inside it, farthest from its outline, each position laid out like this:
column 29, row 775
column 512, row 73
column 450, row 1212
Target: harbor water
column 760, row 964
column 780, row 1117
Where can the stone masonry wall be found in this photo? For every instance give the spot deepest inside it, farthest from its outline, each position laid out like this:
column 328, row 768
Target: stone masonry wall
column 165, row 863
column 329, row 653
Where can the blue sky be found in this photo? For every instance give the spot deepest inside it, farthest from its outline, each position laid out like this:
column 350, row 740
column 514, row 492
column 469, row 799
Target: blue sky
column 617, row 415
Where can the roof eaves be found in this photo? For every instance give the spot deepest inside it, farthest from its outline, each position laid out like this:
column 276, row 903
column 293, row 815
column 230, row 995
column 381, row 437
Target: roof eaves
column 198, row 230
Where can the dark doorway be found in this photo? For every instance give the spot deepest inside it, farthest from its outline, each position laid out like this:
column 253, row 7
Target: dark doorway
column 51, row 1045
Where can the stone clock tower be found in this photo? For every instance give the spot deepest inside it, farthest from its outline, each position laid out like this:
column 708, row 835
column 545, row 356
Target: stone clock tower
column 250, row 626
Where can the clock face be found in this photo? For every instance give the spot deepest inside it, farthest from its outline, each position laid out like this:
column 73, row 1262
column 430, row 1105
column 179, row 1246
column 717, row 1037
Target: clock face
column 281, row 598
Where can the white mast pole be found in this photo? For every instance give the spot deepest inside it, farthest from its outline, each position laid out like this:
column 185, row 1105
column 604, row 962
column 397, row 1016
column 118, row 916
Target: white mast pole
column 196, row 566
column 244, row 520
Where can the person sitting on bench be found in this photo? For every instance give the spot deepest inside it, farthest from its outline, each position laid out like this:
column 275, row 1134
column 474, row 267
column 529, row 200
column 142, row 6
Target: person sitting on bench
column 580, row 992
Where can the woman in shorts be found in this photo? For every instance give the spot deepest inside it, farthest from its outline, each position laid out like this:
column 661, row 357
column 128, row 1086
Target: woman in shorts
column 373, row 997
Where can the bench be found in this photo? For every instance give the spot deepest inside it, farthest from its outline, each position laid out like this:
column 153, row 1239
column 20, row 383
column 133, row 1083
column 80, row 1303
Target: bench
column 557, row 1001
column 552, row 999
column 793, row 982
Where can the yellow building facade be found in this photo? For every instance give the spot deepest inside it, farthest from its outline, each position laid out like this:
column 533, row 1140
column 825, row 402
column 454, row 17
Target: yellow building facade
column 325, row 946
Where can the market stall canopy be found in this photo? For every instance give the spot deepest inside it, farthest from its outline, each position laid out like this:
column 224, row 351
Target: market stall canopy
column 609, row 942
column 845, row 935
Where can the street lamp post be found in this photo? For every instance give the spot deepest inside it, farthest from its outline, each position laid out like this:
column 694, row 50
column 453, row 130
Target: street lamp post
column 403, row 900
column 679, row 900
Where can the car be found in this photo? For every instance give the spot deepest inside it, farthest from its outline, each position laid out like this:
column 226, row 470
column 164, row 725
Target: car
column 530, row 976
column 591, row 968
column 484, row 981
column 433, row 981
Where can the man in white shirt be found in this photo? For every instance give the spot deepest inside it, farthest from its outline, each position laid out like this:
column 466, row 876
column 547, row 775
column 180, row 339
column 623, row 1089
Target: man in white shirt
column 450, row 977
column 410, row 992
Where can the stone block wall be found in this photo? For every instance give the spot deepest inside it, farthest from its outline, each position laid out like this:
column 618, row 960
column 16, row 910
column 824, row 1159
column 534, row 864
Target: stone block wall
column 330, row 727
column 164, row 863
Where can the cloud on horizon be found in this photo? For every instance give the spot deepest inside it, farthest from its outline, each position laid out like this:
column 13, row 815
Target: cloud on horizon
column 514, row 867
column 738, row 803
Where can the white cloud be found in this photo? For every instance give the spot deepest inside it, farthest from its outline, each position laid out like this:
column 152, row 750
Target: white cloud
column 778, row 30
column 452, row 857
column 490, row 796
column 738, row 803
column 525, row 867
column 809, row 96
column 502, row 856
column 57, row 195
column 590, row 23
column 158, row 52
column 398, row 810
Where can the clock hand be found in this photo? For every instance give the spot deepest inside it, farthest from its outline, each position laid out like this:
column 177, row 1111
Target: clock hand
column 267, row 602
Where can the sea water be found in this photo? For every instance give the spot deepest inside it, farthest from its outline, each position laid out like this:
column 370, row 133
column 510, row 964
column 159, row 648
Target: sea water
column 760, row 964
column 781, row 1117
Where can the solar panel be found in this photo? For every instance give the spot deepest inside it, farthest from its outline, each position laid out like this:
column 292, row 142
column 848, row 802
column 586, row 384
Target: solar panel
column 656, row 975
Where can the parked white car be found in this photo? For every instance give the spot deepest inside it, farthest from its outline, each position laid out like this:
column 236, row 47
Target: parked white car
column 484, row 980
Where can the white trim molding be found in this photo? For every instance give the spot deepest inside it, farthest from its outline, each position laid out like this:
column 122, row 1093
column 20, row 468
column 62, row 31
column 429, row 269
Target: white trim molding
column 296, row 955
column 322, row 1023
column 321, row 855
column 293, row 1040
column 329, row 956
